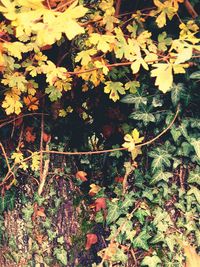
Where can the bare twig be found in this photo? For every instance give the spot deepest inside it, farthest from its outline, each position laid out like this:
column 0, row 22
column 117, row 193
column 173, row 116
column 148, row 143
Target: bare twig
column 44, row 173
column 5, row 156
column 117, row 8
column 190, row 9
column 114, row 149
column 8, row 121
column 41, row 147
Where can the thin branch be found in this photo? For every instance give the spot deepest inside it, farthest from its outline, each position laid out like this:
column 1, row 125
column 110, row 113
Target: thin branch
column 21, row 116
column 117, row 8
column 190, row 9
column 41, row 146
column 92, row 152
column 165, row 58
column 5, row 156
column 115, row 149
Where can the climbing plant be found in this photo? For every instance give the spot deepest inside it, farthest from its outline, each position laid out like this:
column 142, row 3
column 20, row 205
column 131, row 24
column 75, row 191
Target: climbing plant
column 100, row 116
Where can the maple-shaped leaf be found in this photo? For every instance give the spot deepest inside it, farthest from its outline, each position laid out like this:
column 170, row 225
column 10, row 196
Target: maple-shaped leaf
column 152, row 261
column 132, row 139
column 163, row 41
column 29, row 135
column 31, row 102
column 53, row 92
column 16, row 49
column 164, row 76
column 114, row 89
column 8, row 9
column 17, row 156
column 35, row 165
column 94, row 189
column 102, row 42
column 100, row 203
column 12, row 103
column 91, row 240
column 132, row 86
column 164, row 9
column 85, row 56
column 81, row 175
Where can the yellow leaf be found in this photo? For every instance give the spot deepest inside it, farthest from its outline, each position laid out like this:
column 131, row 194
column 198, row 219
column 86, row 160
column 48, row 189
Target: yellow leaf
column 103, row 42
column 35, row 161
column 165, row 9
column 135, row 152
column 62, row 113
column 33, row 4
column 17, row 156
column 192, row 258
column 101, row 65
column 85, row 56
column 8, row 9
column 94, row 189
column 15, row 49
column 184, row 55
column 150, row 57
column 11, row 102
column 164, row 76
column 114, row 89
column 180, row 68
column 131, row 140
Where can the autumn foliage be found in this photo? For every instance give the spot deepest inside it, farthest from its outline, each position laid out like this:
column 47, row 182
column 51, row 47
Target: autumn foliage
column 99, row 133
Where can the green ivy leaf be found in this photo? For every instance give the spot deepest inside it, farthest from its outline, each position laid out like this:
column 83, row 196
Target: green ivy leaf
column 134, row 99
column 113, row 212
column 195, row 191
column 128, row 201
column 27, row 212
column 171, row 241
column 196, row 144
column 151, row 261
column 142, row 116
column 141, row 240
column 141, row 214
column 161, row 159
column 159, row 237
column 160, row 175
column 195, row 75
column 177, row 90
column 176, row 133
column 194, row 177
column 61, row 255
